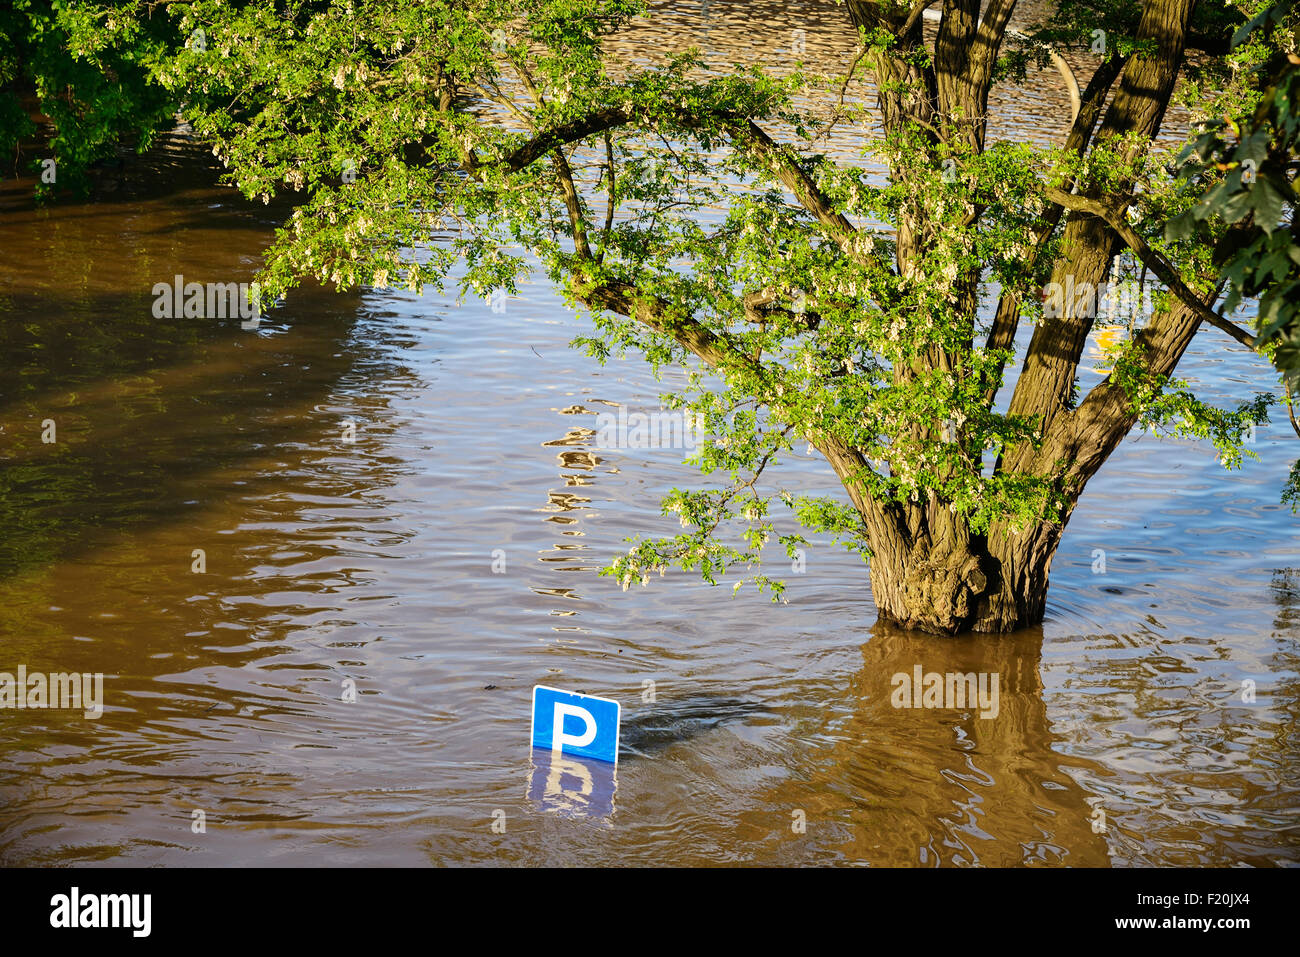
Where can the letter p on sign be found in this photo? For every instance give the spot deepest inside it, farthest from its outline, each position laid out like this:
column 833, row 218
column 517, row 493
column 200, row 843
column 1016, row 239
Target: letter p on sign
column 577, row 724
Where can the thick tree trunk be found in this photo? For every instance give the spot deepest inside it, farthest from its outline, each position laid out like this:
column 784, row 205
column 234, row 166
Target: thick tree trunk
column 964, row 583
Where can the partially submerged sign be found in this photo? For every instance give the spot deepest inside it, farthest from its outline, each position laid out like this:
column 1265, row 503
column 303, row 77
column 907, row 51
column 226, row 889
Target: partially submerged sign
column 577, row 724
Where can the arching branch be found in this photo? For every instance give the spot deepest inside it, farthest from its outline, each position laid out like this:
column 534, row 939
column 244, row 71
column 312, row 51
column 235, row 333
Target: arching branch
column 1152, row 260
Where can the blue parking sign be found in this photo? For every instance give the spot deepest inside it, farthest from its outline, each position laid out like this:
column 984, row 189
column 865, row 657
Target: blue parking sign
column 578, row 724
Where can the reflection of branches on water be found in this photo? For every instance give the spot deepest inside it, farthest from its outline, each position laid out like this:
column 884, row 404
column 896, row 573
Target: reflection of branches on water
column 1285, row 588
column 894, row 786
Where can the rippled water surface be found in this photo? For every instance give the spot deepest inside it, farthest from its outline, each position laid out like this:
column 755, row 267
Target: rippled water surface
column 370, row 562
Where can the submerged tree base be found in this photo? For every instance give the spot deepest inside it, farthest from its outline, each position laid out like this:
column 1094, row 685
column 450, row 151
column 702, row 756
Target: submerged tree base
column 949, row 590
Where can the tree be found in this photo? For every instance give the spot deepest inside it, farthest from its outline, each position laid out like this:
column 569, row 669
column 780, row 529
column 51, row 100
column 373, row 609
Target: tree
column 87, row 70
column 833, row 305
column 1250, row 163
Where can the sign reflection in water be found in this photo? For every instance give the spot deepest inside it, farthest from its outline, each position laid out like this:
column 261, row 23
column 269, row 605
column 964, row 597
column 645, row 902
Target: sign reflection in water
column 572, row 787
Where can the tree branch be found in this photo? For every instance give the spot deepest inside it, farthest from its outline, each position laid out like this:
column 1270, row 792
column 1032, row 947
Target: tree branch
column 573, row 202
column 1152, row 260
column 913, row 15
column 760, row 305
column 744, row 132
column 599, row 121
column 609, row 205
column 718, row 351
column 792, row 174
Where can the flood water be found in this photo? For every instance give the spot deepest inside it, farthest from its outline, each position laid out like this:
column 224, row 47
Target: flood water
column 1122, row 735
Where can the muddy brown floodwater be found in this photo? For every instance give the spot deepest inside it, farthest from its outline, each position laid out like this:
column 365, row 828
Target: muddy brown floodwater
column 1122, row 734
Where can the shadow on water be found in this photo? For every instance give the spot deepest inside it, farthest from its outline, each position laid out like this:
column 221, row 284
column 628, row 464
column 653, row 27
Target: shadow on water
column 112, row 419
column 650, row 731
column 174, row 167
column 87, row 452
column 130, row 444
